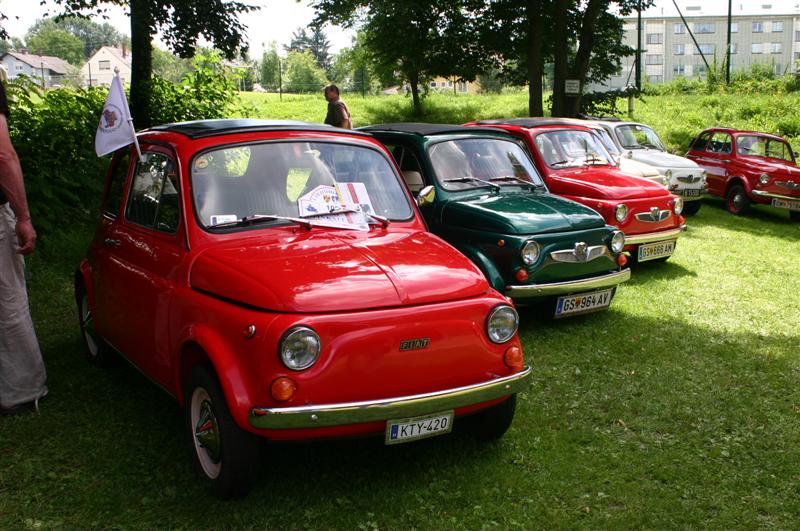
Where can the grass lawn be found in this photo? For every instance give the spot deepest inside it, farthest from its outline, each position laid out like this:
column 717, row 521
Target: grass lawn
column 679, row 407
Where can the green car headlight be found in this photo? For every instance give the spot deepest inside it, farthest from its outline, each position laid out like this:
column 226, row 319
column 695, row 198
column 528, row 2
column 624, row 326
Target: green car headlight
column 530, row 252
column 617, row 242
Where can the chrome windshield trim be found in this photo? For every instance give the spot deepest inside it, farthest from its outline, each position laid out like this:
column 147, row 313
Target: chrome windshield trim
column 761, row 193
column 635, row 239
column 570, row 286
column 317, row 416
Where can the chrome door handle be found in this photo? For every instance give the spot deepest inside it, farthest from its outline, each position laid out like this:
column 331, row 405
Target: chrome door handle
column 112, row 242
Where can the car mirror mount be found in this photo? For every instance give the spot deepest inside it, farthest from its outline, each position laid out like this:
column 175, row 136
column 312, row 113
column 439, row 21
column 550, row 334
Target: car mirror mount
column 426, row 196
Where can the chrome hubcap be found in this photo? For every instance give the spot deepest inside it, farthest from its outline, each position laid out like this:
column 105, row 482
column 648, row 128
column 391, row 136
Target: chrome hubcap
column 87, row 324
column 206, row 431
column 738, row 201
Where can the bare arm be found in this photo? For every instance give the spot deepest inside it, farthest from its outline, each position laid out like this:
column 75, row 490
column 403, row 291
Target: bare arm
column 13, row 187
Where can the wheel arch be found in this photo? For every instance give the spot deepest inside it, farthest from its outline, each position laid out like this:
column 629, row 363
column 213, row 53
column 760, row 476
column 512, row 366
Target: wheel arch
column 486, row 265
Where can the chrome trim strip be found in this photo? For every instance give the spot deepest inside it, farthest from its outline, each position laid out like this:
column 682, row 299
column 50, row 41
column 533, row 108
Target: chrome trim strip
column 316, row 416
column 570, row 286
column 791, row 185
column 761, row 193
column 670, row 234
column 571, row 256
column 650, row 217
column 690, row 178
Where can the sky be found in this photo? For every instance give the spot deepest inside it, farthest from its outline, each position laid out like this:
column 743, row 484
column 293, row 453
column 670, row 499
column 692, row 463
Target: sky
column 275, row 21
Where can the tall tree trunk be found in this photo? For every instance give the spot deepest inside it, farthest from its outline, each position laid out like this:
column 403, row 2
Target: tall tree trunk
column 560, row 56
column 585, row 46
column 413, row 80
column 141, row 63
column 535, row 59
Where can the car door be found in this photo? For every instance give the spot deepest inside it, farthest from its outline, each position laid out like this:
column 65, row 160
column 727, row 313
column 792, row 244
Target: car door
column 714, row 157
column 147, row 248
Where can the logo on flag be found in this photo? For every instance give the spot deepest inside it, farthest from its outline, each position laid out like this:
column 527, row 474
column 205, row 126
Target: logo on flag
column 115, row 129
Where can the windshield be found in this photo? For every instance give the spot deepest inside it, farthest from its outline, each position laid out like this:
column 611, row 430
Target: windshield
column 482, row 162
column 637, row 136
column 315, row 182
column 568, row 148
column 607, row 141
column 765, row 147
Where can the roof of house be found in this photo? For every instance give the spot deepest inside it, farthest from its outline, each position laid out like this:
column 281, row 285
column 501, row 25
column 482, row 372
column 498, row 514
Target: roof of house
column 116, row 52
column 54, row 64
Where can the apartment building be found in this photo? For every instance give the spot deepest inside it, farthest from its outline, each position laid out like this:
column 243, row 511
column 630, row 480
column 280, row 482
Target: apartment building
column 761, row 32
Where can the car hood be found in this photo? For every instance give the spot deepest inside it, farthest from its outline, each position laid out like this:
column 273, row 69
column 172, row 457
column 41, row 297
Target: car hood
column 635, row 167
column 602, row 182
column 332, row 271
column 661, row 159
column 520, row 213
column 774, row 169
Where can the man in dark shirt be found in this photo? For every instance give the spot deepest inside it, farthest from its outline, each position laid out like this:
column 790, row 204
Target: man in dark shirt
column 22, row 372
column 338, row 113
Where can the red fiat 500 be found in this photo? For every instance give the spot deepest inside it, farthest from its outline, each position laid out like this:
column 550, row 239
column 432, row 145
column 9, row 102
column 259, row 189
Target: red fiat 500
column 277, row 279
column 746, row 167
column 576, row 165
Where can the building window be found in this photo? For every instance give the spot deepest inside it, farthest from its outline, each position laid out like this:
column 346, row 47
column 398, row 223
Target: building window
column 654, row 59
column 678, row 49
column 705, row 27
column 655, row 79
column 678, row 70
column 755, row 48
column 797, row 36
column 655, row 38
column 707, row 49
column 104, row 65
column 734, row 48
column 778, row 69
column 758, row 27
column 777, row 47
column 433, row 84
column 678, row 28
column 18, row 68
column 699, row 69
column 777, row 26
column 734, row 27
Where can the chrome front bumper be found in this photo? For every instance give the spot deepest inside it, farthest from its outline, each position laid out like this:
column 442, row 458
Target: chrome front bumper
column 317, row 416
column 770, row 195
column 571, row 286
column 637, row 239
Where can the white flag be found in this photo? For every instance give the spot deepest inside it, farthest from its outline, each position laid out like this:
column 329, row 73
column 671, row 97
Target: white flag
column 116, row 127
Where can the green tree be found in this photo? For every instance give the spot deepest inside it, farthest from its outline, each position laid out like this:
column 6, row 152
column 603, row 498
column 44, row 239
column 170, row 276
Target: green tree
column 270, row 65
column 299, row 42
column 181, row 23
column 169, row 66
column 352, row 68
column 56, row 43
column 302, row 73
column 416, row 39
column 319, row 46
column 11, row 45
column 93, row 35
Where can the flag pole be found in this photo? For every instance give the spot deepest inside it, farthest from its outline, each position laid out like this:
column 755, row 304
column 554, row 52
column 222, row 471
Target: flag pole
column 130, row 118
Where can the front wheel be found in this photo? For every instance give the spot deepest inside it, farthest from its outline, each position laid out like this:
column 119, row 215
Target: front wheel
column 493, row 423
column 97, row 350
column 794, row 215
column 226, row 456
column 691, row 208
column 736, row 200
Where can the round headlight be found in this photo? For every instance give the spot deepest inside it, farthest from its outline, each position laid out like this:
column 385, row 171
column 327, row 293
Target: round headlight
column 299, row 348
column 678, row 206
column 668, row 174
column 621, row 212
column 502, row 323
column 617, row 242
column 530, row 252
column 764, row 179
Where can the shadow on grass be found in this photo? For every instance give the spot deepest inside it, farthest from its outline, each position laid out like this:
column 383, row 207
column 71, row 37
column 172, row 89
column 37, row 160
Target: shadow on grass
column 760, row 220
column 432, row 112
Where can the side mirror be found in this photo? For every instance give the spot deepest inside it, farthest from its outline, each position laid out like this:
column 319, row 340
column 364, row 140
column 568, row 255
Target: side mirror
column 426, row 196
column 628, row 154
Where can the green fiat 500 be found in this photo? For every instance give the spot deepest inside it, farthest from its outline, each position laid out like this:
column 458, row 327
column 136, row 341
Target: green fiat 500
column 478, row 189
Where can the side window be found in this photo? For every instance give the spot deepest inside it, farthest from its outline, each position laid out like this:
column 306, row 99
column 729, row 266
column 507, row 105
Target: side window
column 409, row 165
column 700, row 143
column 720, row 143
column 117, row 185
column 153, row 200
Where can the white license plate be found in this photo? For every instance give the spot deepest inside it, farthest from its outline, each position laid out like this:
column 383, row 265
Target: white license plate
column 651, row 251
column 691, row 192
column 782, row 203
column 585, row 302
column 412, row 429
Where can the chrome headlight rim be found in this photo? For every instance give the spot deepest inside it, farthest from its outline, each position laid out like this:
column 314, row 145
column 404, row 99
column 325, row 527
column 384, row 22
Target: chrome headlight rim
column 617, row 242
column 677, row 205
column 530, row 252
column 668, row 174
column 763, row 178
column 295, row 335
column 509, row 333
column 621, row 212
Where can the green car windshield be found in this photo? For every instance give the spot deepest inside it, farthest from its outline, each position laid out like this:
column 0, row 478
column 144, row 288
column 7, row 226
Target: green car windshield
column 765, row 147
column 637, row 136
column 471, row 163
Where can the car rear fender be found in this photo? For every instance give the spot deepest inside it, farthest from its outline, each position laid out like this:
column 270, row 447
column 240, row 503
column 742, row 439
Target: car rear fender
column 486, row 265
column 201, row 344
column 83, row 280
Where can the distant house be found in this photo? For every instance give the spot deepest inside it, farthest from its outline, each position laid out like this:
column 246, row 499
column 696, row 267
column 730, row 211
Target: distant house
column 44, row 70
column 99, row 69
column 442, row 84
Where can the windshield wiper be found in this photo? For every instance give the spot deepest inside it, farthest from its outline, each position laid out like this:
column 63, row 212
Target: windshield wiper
column 559, row 162
column 473, row 179
column 518, row 180
column 380, row 219
column 261, row 218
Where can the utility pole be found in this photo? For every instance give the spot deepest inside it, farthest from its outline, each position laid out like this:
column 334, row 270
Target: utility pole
column 280, row 79
column 728, row 59
column 639, row 47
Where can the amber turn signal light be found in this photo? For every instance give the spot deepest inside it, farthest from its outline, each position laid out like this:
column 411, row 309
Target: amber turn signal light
column 282, row 389
column 521, row 275
column 622, row 259
column 514, row 358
